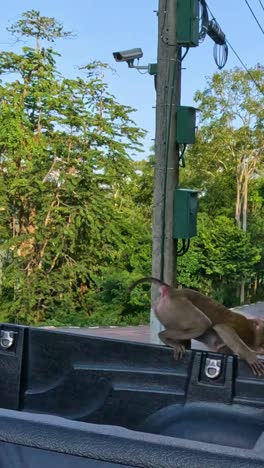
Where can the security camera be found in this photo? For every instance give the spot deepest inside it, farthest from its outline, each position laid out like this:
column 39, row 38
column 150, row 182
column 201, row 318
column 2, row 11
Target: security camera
column 128, row 56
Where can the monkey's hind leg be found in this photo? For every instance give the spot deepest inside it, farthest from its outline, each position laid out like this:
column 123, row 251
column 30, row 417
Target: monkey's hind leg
column 187, row 320
column 234, row 342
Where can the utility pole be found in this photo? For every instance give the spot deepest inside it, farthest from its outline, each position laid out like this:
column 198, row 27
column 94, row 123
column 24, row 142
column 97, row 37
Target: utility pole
column 166, row 177
column 178, row 26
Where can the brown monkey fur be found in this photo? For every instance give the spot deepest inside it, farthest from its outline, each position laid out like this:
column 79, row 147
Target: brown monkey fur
column 187, row 314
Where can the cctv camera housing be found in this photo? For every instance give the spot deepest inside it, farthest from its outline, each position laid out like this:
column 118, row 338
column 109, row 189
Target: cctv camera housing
column 128, row 55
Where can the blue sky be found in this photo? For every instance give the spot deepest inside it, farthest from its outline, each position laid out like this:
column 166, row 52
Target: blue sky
column 103, row 26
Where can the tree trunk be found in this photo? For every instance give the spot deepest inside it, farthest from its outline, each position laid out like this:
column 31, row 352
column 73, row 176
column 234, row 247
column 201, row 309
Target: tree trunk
column 242, row 292
column 255, row 287
column 37, row 44
column 244, row 227
column 238, row 203
column 245, row 204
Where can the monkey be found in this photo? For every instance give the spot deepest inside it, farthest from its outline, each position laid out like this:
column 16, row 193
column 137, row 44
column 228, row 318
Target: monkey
column 187, row 314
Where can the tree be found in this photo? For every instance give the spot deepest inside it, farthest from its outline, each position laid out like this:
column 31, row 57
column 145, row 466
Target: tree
column 65, row 172
column 220, row 256
column 32, row 24
column 230, row 146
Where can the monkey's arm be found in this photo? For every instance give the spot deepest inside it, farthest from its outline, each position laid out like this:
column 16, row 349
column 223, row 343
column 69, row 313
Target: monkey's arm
column 168, row 338
column 190, row 323
column 234, row 342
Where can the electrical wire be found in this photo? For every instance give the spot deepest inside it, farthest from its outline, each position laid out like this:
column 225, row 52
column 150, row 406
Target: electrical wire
column 261, row 4
column 246, row 69
column 142, row 73
column 204, row 20
column 185, row 53
column 239, row 58
column 185, row 247
column 181, row 158
column 254, row 16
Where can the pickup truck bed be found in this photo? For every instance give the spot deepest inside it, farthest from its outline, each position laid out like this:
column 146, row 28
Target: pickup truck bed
column 72, row 400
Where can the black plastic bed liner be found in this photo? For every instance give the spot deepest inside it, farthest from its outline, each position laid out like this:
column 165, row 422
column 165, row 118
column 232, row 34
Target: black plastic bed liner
column 73, row 400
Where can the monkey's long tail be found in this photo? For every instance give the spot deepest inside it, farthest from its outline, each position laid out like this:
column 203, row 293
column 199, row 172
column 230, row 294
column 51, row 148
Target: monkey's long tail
column 147, row 279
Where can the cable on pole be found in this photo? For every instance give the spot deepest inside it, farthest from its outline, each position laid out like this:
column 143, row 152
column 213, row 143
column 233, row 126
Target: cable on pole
column 254, row 16
column 261, row 90
column 261, row 4
column 204, row 20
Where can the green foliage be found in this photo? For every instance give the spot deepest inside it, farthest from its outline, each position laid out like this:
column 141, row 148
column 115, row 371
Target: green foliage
column 226, row 164
column 219, row 257
column 113, row 305
column 32, row 24
column 65, row 178
column 229, row 143
column 75, row 225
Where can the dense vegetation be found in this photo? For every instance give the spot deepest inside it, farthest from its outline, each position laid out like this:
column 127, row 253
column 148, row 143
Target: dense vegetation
column 76, row 207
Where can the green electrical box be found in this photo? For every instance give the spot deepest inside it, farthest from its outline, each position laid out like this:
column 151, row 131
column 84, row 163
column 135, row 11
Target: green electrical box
column 185, row 213
column 187, row 23
column 185, row 125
